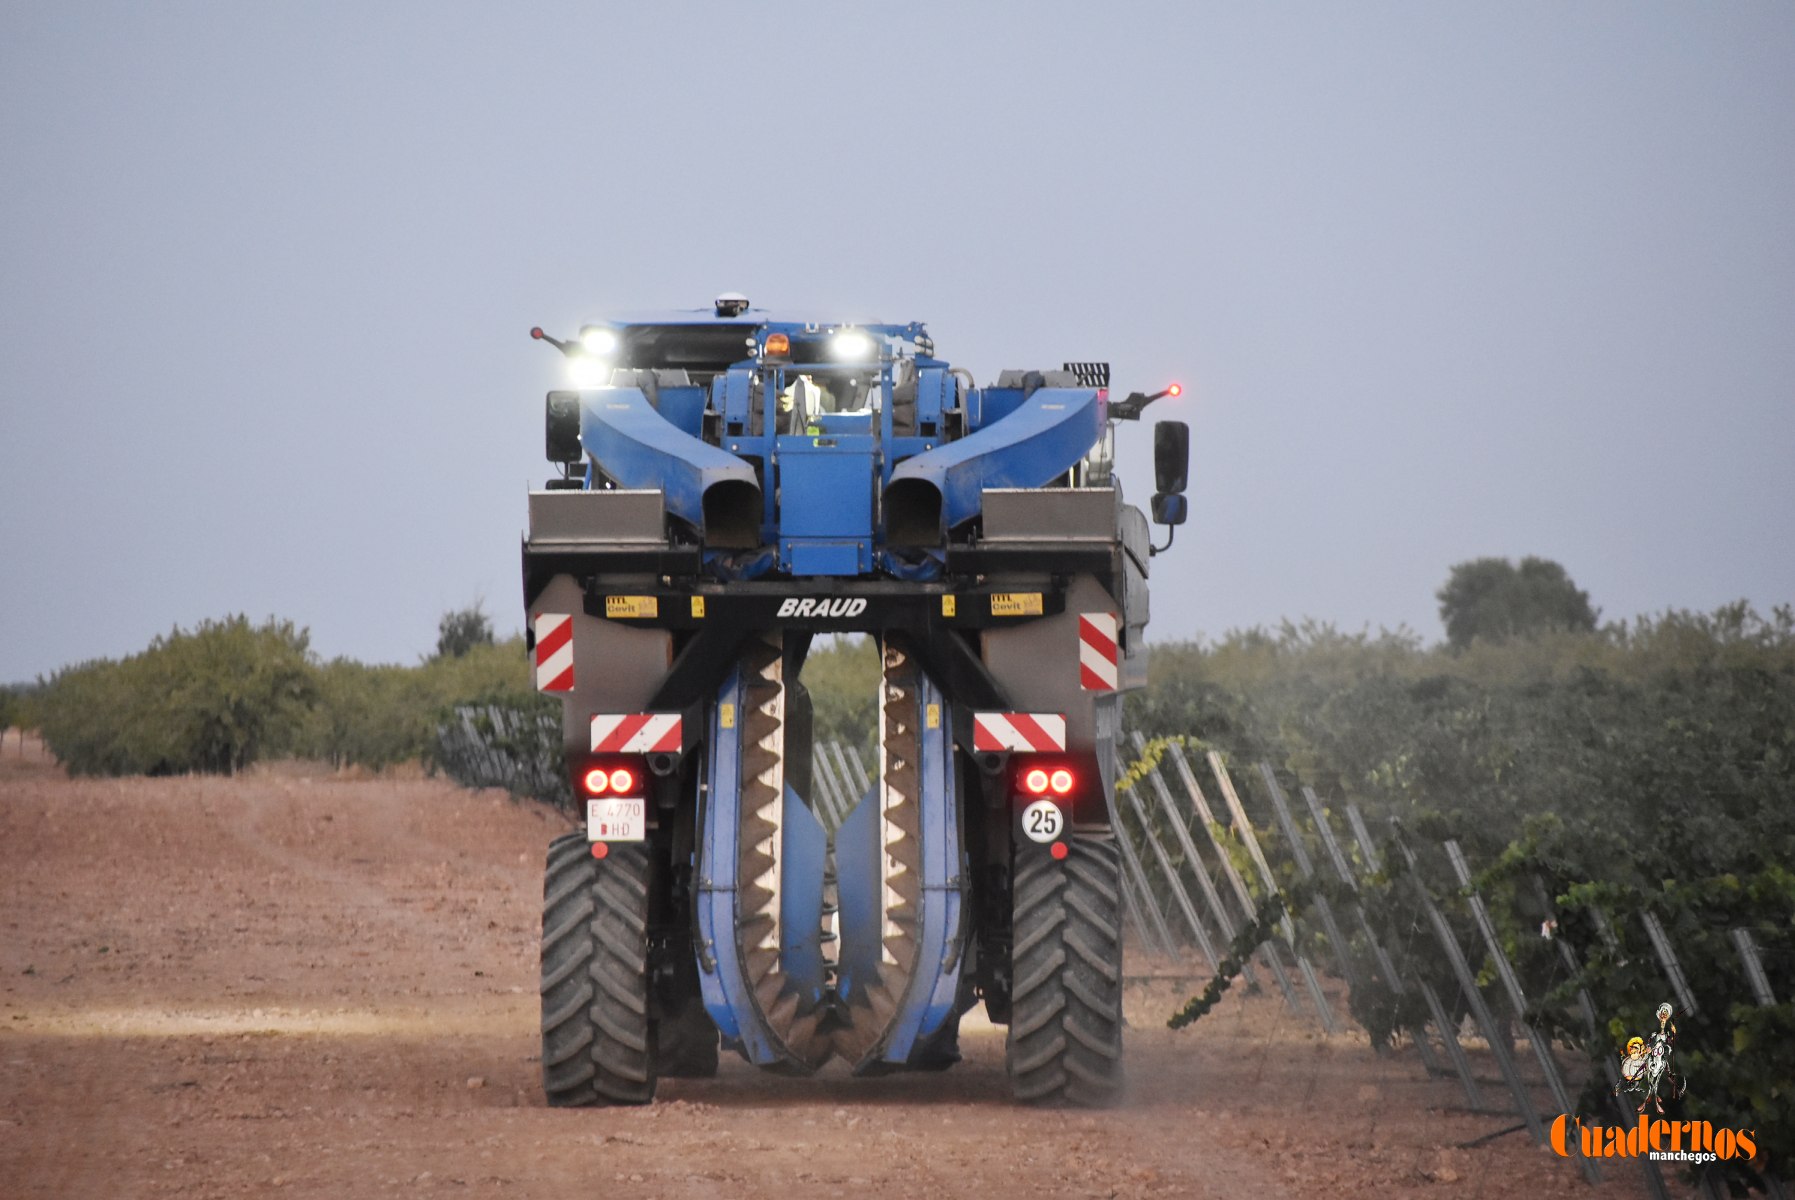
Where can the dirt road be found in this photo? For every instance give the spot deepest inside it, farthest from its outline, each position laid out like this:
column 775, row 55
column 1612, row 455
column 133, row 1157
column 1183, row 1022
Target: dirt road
column 293, row 984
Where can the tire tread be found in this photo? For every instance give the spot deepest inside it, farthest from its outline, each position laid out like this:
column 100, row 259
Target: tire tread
column 595, row 1025
column 1065, row 1039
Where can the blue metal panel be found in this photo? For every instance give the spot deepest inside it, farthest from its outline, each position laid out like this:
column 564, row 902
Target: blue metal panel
column 859, row 895
column 826, row 487
column 1046, row 435
column 803, row 847
column 997, row 403
column 735, row 399
column 843, row 424
column 639, row 448
column 826, row 504
column 797, row 325
column 738, row 396
column 887, row 436
column 808, row 557
column 929, row 1000
column 722, row 983
column 683, row 408
column 934, row 392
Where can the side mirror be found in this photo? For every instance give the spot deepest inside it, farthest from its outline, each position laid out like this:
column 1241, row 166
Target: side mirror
column 1171, row 459
column 563, row 420
column 1170, row 510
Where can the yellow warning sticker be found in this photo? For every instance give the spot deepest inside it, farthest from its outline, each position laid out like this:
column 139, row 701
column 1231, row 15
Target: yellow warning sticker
column 631, row 607
column 934, row 716
column 947, row 606
column 1015, row 604
column 698, row 606
column 726, row 715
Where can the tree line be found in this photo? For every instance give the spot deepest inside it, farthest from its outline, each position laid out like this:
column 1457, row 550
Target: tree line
column 227, row 693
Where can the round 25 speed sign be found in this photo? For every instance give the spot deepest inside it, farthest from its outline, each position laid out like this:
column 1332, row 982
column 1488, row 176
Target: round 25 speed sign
column 1042, row 821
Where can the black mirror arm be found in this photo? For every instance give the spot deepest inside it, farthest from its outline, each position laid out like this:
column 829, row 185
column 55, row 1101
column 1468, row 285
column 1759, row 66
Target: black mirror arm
column 1171, row 532
column 570, row 349
column 1131, row 407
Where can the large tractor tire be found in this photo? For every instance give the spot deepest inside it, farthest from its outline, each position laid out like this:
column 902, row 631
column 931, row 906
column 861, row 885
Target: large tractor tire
column 595, row 1020
column 1065, row 1039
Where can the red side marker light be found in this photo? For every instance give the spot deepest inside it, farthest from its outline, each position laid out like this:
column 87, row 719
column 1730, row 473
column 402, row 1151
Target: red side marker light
column 1060, row 781
column 1059, row 850
column 1035, row 782
column 598, row 781
column 1176, row 390
column 623, row 780
column 536, row 332
column 599, row 850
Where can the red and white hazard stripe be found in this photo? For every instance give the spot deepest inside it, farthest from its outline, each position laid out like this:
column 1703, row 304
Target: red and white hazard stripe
column 1097, row 651
column 554, row 652
column 1024, row 732
column 635, row 733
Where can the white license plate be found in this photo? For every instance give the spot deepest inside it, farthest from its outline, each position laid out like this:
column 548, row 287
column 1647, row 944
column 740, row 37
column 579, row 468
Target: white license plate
column 614, row 820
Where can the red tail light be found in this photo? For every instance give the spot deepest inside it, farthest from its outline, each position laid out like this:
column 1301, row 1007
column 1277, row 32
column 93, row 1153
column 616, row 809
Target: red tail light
column 611, row 777
column 1050, row 779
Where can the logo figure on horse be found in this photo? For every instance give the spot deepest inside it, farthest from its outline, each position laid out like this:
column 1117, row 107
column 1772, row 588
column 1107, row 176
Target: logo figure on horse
column 1645, row 1068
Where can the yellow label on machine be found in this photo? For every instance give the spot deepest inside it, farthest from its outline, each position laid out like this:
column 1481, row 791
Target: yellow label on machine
column 726, row 715
column 947, row 606
column 698, row 606
column 632, row 606
column 934, row 716
column 1015, row 604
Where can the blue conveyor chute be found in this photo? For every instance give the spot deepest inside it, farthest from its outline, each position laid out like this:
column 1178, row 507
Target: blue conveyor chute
column 939, row 489
column 710, row 488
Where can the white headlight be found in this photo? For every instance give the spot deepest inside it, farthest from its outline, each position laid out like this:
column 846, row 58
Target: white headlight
column 598, row 340
column 851, row 344
column 589, row 372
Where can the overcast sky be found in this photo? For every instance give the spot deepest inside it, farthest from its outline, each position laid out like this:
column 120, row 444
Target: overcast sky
column 1441, row 280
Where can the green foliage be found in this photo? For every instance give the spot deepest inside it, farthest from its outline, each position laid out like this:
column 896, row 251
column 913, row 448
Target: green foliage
column 1684, row 721
column 367, row 715
column 211, row 700
column 379, row 715
column 462, row 630
column 229, row 693
column 1644, row 767
column 843, row 679
column 1493, row 600
column 1256, row 931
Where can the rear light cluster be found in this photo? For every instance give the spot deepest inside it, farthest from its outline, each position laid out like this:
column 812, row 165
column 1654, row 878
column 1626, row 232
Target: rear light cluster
column 1042, row 781
column 611, row 781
